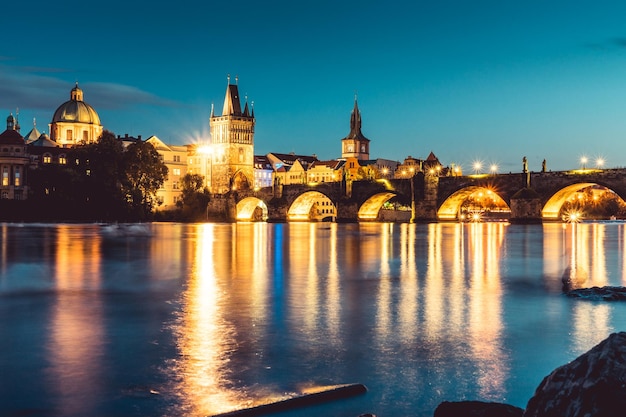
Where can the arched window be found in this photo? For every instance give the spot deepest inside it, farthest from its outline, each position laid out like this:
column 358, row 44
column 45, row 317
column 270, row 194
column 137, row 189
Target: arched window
column 47, row 158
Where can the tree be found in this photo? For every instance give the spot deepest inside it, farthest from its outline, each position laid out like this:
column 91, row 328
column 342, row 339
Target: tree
column 144, row 174
column 195, row 197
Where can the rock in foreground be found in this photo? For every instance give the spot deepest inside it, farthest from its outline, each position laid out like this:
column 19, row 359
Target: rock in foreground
column 593, row 385
column 476, row 409
column 599, row 293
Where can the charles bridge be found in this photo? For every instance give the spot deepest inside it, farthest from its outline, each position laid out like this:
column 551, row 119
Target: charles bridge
column 531, row 196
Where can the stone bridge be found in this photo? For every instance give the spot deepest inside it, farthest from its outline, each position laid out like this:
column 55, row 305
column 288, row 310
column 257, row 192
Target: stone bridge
column 531, row 197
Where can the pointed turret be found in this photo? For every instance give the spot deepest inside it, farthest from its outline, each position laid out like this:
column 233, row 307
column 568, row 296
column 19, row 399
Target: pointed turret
column 232, row 106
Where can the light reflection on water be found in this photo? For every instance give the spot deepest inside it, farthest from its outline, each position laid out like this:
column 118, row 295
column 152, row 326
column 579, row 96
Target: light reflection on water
column 193, row 320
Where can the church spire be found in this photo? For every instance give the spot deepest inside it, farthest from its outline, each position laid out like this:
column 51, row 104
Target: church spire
column 355, row 120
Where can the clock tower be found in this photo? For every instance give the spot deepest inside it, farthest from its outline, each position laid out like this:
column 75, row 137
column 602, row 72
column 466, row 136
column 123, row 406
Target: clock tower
column 355, row 145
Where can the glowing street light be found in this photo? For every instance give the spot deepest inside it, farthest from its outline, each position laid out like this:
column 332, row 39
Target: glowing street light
column 493, row 168
column 583, row 161
column 600, row 162
column 477, row 166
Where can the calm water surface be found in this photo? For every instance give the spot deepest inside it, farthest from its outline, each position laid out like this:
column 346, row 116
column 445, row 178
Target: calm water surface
column 194, row 320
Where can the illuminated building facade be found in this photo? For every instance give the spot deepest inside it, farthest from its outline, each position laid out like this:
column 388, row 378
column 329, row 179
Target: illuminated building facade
column 75, row 121
column 175, row 159
column 14, row 162
column 232, row 144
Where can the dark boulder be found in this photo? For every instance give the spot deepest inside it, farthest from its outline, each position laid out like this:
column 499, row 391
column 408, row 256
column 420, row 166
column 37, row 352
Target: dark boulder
column 599, row 293
column 476, row 409
column 594, row 384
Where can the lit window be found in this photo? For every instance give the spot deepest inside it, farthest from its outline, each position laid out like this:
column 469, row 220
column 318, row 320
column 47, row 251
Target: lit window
column 5, row 176
column 17, row 178
column 176, row 171
column 47, row 158
column 62, row 160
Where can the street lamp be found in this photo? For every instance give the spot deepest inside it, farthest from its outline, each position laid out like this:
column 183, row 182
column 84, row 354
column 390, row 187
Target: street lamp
column 583, row 161
column 493, row 168
column 600, row 162
column 477, row 166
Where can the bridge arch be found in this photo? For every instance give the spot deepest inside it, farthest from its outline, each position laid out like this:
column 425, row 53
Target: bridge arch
column 552, row 208
column 312, row 206
column 252, row 209
column 450, row 209
column 371, row 207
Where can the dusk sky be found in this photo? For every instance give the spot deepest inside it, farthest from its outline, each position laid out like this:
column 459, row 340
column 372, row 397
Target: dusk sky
column 481, row 80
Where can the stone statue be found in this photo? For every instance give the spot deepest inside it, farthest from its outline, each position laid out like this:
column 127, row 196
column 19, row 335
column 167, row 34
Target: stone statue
column 524, row 165
column 543, row 166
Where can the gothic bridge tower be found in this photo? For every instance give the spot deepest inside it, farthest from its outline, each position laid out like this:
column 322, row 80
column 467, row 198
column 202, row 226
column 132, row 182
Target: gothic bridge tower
column 232, row 144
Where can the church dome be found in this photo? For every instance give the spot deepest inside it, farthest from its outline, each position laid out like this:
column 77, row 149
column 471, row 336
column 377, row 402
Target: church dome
column 75, row 110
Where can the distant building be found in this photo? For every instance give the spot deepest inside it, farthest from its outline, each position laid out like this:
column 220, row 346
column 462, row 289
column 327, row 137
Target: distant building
column 75, row 121
column 14, row 161
column 232, row 144
column 326, row 171
column 33, row 135
column 263, row 172
column 175, row 159
column 291, row 168
column 355, row 145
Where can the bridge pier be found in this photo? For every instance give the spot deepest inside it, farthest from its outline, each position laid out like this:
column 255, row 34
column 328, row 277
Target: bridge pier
column 526, row 207
column 424, row 190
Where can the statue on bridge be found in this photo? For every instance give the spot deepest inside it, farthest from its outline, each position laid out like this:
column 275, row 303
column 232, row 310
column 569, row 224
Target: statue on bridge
column 524, row 165
column 543, row 166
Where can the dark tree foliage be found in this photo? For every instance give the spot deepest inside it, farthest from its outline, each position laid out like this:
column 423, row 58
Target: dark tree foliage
column 195, row 198
column 100, row 182
column 144, row 173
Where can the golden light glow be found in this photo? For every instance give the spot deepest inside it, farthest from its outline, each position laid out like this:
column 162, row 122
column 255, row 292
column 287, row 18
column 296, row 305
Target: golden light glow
column 370, row 208
column 77, row 337
column 477, row 165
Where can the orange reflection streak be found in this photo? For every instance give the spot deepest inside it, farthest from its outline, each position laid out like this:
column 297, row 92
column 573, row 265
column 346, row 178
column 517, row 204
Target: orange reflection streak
column 408, row 305
column 205, row 338
column 598, row 258
column 435, row 292
column 76, row 333
column 333, row 290
column 384, row 302
column 485, row 309
column 311, row 297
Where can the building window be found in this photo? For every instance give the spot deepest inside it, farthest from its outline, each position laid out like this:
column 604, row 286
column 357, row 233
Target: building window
column 175, row 185
column 5, row 195
column 68, row 134
column 47, row 158
column 16, row 179
column 85, row 135
column 5, row 176
column 190, row 161
column 176, row 171
column 62, row 159
column 17, row 195
column 176, row 158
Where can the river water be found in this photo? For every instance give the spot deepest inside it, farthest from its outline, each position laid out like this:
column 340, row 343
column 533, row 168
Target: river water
column 200, row 319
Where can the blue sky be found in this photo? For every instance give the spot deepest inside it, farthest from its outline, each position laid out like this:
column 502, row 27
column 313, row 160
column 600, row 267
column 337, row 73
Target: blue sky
column 483, row 80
